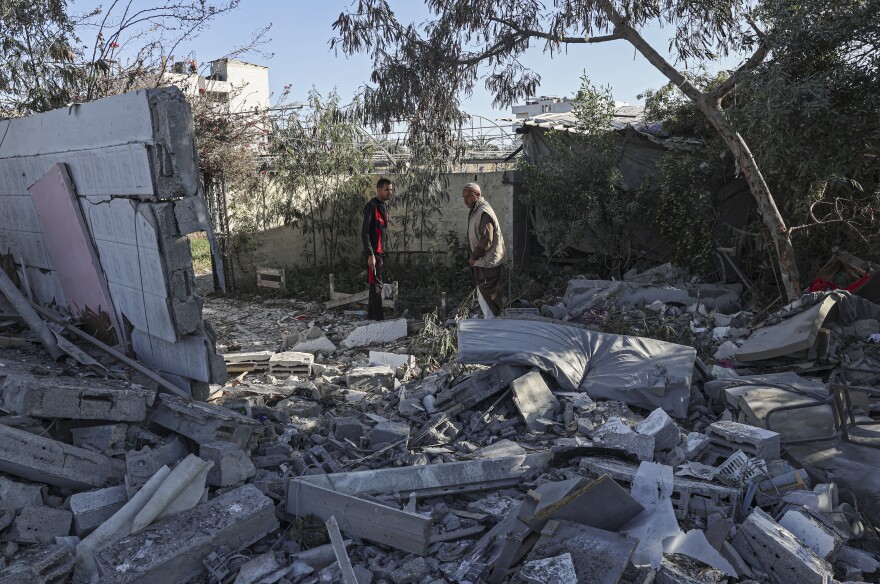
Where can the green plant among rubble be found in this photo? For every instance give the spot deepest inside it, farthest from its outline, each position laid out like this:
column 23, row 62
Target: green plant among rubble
column 578, row 189
column 436, row 343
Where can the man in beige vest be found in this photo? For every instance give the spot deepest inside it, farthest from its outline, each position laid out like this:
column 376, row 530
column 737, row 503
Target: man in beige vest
column 485, row 250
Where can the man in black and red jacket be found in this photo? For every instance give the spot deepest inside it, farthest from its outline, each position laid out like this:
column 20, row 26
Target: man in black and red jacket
column 375, row 244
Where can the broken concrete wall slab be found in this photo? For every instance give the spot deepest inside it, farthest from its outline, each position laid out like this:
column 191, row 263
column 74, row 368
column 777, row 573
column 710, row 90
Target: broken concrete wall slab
column 793, row 334
column 131, row 159
column 205, row 423
column 39, row 565
column 172, row 549
column 47, row 461
column 639, row 371
column 30, row 395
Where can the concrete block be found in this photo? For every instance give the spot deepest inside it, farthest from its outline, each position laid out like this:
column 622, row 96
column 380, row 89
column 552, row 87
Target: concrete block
column 39, row 565
column 231, row 464
column 142, row 464
column 187, row 315
column 534, row 400
column 377, row 333
column 411, row 571
column 299, row 408
column 289, row 363
column 172, row 549
column 108, row 439
column 381, row 376
column 615, row 433
column 663, row 428
column 814, row 534
column 772, row 549
column 15, row 496
column 48, row 461
column 38, row 524
column 348, row 429
column 192, row 215
column 203, row 422
column 92, row 508
column 320, row 345
column 58, row 398
column 393, row 360
column 750, row 439
column 387, row 432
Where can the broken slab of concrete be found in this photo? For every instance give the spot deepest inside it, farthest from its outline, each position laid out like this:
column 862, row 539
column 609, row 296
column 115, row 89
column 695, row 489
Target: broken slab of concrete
column 15, row 496
column 39, row 524
column 735, row 436
column 596, row 556
column 601, row 504
column 92, row 508
column 172, row 549
column 403, row 530
column 638, row 371
column 534, row 400
column 817, row 536
column 39, row 565
column 772, row 549
column 616, row 433
column 793, row 334
column 393, row 360
column 205, row 423
column 56, row 397
column 662, row 428
column 48, row 461
column 231, row 464
column 376, row 333
column 108, row 439
column 283, row 365
column 374, row 377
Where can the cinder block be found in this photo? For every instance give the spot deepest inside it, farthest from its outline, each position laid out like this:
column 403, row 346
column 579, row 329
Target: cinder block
column 231, row 464
column 187, row 315
column 393, row 360
column 142, row 464
column 39, row 565
column 377, row 333
column 108, row 439
column 820, row 538
column 370, row 377
column 615, row 433
column 771, row 548
column 38, row 524
column 348, row 429
column 203, row 422
column 92, row 508
column 15, row 496
column 750, row 439
column 192, row 215
column 172, row 549
column 58, row 398
column 386, row 433
column 663, row 428
column 48, row 461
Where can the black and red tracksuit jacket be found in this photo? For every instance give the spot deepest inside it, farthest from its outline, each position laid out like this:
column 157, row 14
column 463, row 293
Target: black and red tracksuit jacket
column 374, row 228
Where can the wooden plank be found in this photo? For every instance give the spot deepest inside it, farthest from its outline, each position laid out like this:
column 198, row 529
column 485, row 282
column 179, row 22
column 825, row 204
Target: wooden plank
column 268, row 284
column 270, row 272
column 378, row 523
column 348, row 299
column 348, row 576
column 12, row 342
column 457, row 534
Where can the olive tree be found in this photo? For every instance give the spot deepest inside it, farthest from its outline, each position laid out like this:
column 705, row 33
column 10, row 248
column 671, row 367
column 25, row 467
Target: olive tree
column 421, row 71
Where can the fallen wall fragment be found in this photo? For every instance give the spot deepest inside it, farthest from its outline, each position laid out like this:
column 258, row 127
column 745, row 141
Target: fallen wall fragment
column 134, row 175
column 635, row 370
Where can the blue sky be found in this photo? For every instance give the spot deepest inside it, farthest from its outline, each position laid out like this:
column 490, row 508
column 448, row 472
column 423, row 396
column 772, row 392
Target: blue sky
column 301, row 31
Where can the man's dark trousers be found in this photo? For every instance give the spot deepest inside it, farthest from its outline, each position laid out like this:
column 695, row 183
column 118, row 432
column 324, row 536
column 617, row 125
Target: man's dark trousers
column 374, row 304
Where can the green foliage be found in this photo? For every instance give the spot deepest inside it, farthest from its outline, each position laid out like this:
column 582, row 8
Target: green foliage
column 200, row 248
column 324, row 169
column 679, row 203
column 577, row 189
column 436, row 343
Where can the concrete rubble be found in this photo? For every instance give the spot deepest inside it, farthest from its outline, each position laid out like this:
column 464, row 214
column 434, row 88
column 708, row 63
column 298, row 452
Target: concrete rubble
column 572, row 444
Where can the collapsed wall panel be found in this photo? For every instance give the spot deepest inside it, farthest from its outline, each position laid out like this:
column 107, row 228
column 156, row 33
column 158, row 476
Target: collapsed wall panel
column 132, row 162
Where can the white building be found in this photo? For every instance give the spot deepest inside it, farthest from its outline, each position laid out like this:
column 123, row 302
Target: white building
column 542, row 105
column 236, row 85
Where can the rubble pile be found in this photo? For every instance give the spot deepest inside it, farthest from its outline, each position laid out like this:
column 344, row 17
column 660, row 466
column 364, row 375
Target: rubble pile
column 561, row 448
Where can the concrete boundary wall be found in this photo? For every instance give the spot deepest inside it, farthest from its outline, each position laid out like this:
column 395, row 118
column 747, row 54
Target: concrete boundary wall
column 286, row 247
column 133, row 165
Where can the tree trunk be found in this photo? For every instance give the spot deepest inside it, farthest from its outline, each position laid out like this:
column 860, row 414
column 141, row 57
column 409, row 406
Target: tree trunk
column 711, row 108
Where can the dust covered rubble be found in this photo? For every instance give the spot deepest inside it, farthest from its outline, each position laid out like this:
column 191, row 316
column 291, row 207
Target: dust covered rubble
column 457, row 473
